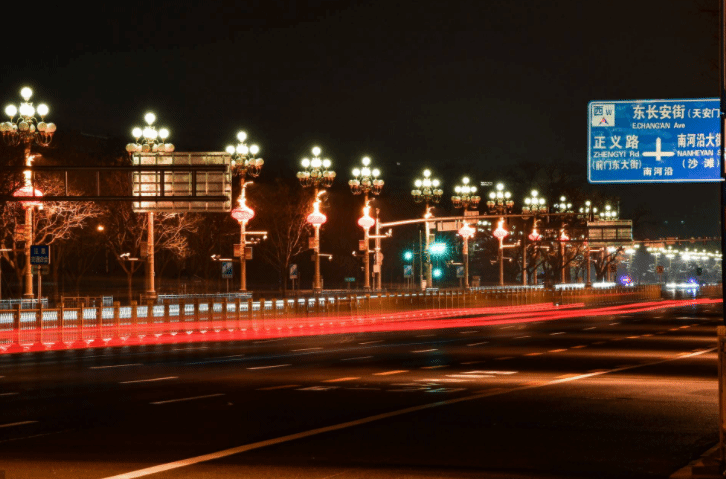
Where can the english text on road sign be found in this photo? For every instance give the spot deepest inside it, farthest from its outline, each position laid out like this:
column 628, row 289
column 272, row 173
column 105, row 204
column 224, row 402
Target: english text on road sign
column 654, row 141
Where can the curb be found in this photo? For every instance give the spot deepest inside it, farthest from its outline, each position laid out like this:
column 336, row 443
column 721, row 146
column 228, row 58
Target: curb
column 708, row 466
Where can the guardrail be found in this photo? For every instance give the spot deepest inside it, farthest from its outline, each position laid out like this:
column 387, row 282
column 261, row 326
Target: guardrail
column 97, row 326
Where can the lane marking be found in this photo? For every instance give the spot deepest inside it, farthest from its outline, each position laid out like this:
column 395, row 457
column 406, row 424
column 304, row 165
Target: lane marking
column 387, row 373
column 364, row 389
column 613, row 324
column 507, row 327
column 647, row 335
column 468, row 332
column 579, row 347
column 599, row 342
column 470, row 376
column 424, row 350
column 149, row 380
column 435, row 367
column 305, row 349
column 472, row 362
column 478, row 344
column 269, row 367
column 534, row 354
column 555, row 334
column 521, row 337
column 359, row 357
column 168, row 401
column 503, row 358
column 557, row 351
column 116, row 366
column 262, row 341
column 233, row 356
column 591, row 327
column 189, row 349
column 9, row 394
column 272, row 388
column 425, row 335
column 372, row 342
column 17, row 423
column 491, row 372
column 338, row 380
column 357, row 422
column 315, row 388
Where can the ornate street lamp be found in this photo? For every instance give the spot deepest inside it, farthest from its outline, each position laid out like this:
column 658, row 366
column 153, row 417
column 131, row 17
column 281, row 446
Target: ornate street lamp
column 243, row 158
column 150, row 141
column 24, row 128
column 466, row 232
column 500, row 201
column 316, row 174
column 563, row 206
column 427, row 190
column 244, row 163
column 533, row 205
column 465, row 195
column 588, row 212
column 243, row 214
column 366, row 180
column 500, row 233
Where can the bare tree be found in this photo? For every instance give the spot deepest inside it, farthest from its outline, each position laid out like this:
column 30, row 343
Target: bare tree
column 283, row 209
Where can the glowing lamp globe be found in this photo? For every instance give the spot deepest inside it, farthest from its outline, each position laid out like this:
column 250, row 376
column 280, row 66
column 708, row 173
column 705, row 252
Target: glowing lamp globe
column 534, row 236
column 466, row 232
column 28, row 191
column 242, row 214
column 563, row 236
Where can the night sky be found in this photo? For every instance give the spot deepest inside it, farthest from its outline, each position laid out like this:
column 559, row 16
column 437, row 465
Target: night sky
column 460, row 87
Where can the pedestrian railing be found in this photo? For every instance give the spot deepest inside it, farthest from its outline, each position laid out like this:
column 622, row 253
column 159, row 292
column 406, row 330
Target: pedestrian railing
column 200, row 318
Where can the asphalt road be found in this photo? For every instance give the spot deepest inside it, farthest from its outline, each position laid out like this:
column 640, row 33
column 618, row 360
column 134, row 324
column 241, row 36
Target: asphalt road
column 622, row 395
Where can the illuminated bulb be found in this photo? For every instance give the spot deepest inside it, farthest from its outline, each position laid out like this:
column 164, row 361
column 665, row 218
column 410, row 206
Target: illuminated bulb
column 26, row 93
column 149, row 118
column 163, row 133
column 137, row 132
column 316, row 151
column 241, row 136
column 316, row 162
column 376, row 172
column 42, row 109
column 230, row 149
column 326, row 163
column 11, row 111
column 366, row 161
column 242, row 149
column 305, row 162
column 254, row 149
column 427, row 173
column 356, row 172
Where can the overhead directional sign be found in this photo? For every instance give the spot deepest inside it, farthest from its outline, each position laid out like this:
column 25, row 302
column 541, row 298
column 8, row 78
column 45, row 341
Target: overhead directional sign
column 654, row 141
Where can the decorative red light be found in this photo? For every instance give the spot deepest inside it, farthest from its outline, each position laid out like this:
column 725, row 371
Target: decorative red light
column 242, row 214
column 28, row 191
column 500, row 232
column 466, row 231
column 534, row 236
column 366, row 222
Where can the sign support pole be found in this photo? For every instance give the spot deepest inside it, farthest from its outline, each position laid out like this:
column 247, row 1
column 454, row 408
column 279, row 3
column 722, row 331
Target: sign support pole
column 722, row 185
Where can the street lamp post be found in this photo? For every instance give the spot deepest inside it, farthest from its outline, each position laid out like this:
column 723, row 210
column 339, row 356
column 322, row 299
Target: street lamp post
column 24, row 128
column 533, row 205
column 365, row 180
column 244, row 163
column 588, row 213
column 500, row 203
column 427, row 190
column 564, row 207
column 316, row 174
column 464, row 197
column 150, row 141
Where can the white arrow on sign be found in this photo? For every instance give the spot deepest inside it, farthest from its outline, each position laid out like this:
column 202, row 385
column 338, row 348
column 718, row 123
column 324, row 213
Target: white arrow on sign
column 658, row 154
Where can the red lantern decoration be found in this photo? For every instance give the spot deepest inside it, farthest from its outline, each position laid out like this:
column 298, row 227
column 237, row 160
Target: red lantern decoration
column 316, row 218
column 243, row 213
column 500, row 232
column 563, row 236
column 466, row 231
column 534, row 236
column 28, row 190
column 365, row 221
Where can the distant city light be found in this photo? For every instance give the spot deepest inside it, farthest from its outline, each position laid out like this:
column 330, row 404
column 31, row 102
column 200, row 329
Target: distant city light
column 437, row 272
column 437, row 249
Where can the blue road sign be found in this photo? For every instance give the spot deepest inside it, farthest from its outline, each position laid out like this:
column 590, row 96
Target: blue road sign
column 40, row 254
column 654, row 141
column 407, row 270
column 459, row 271
column 293, row 271
column 227, row 270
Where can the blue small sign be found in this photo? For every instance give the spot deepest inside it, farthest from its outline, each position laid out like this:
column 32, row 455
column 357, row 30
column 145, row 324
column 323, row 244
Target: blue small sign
column 293, row 271
column 227, row 270
column 407, row 271
column 459, row 271
column 654, row 141
column 40, row 254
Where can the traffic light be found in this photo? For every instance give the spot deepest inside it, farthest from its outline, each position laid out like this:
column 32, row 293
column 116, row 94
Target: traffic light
column 408, row 255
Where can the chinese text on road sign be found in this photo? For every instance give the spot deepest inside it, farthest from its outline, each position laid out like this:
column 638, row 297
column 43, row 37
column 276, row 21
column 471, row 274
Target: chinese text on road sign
column 654, row 141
